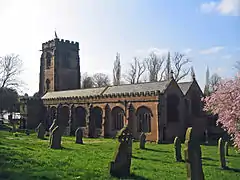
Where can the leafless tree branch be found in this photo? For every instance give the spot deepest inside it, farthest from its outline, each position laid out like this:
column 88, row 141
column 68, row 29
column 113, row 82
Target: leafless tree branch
column 101, row 80
column 10, row 69
column 154, row 65
column 179, row 62
column 214, row 81
column 135, row 71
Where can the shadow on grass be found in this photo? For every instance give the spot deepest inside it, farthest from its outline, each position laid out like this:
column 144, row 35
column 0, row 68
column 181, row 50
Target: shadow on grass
column 206, row 164
column 149, row 159
column 234, row 155
column 209, row 159
column 66, row 148
column 134, row 176
column 154, row 150
column 231, row 169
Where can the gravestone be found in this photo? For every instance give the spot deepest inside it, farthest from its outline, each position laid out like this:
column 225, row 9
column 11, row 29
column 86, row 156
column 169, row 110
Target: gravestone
column 121, row 165
column 67, row 131
column 178, row 147
column 193, row 158
column 226, row 148
column 27, row 132
column 56, row 137
column 41, row 131
column 142, row 140
column 79, row 135
column 221, row 153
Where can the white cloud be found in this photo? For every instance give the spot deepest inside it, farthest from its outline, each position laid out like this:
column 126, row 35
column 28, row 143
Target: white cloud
column 157, row 51
column 187, row 51
column 208, row 7
column 224, row 7
column 212, row 50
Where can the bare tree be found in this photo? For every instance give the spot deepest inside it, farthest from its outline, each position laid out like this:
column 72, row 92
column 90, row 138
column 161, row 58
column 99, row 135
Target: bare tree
column 87, row 81
column 101, row 80
column 10, row 69
column 117, row 71
column 154, row 66
column 179, row 61
column 137, row 68
column 214, row 81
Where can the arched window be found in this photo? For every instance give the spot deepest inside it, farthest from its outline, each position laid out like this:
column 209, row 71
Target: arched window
column 117, row 118
column 172, row 108
column 48, row 60
column 97, row 116
column 47, row 84
column 80, row 116
column 63, row 115
column 144, row 116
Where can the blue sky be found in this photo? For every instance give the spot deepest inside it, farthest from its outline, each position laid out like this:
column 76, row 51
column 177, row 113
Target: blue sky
column 207, row 31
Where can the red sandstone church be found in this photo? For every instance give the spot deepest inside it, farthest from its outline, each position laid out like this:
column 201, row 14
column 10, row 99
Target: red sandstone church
column 162, row 110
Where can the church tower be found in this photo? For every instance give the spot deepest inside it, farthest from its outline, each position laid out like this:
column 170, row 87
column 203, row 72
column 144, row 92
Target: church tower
column 59, row 66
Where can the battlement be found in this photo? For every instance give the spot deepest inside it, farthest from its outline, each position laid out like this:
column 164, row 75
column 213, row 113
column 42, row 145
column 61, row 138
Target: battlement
column 69, row 42
column 52, row 43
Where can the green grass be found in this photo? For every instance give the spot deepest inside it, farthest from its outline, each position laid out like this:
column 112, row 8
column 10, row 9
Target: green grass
column 26, row 157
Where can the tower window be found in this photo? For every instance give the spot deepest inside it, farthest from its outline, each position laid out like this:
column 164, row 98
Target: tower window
column 48, row 58
column 47, row 84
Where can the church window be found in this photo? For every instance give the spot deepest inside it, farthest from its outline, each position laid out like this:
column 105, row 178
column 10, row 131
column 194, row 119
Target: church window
column 144, row 116
column 47, row 84
column 48, row 60
column 117, row 118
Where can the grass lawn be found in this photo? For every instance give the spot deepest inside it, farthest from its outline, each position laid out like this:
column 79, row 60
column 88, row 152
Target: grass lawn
column 26, row 157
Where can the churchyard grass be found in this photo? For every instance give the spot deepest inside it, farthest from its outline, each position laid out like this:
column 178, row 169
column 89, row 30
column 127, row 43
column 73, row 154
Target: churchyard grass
column 26, row 157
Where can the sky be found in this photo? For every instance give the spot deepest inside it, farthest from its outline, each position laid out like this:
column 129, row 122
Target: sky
column 207, row 31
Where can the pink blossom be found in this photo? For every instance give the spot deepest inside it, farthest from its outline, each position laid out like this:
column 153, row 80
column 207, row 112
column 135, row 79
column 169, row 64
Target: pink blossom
column 225, row 102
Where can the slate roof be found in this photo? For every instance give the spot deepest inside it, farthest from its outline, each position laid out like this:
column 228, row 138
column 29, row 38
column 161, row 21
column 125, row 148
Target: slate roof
column 74, row 93
column 184, row 86
column 133, row 88
column 126, row 88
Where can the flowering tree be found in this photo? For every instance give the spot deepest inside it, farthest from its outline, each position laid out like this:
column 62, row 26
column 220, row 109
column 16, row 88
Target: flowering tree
column 225, row 102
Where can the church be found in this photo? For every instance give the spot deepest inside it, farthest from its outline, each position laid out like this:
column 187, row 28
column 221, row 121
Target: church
column 162, row 110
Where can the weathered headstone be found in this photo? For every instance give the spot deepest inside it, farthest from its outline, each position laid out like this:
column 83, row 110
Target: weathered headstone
column 226, row 148
column 79, row 136
column 40, row 131
column 67, row 131
column 193, row 159
column 142, row 140
column 27, row 132
column 221, row 153
column 121, row 165
column 178, row 147
column 56, row 137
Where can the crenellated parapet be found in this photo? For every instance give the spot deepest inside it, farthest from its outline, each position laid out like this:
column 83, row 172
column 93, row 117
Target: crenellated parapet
column 53, row 43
